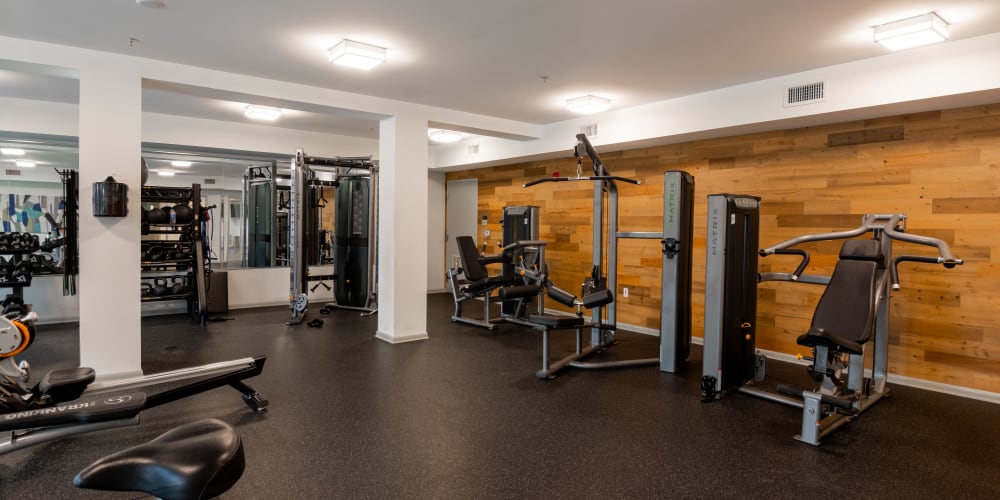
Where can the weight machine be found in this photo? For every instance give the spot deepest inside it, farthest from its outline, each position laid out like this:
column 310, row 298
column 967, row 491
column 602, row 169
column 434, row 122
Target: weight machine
column 675, row 240
column 851, row 317
column 355, row 184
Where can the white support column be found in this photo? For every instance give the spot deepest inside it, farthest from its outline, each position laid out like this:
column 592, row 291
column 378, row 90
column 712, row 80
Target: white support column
column 110, row 144
column 402, row 229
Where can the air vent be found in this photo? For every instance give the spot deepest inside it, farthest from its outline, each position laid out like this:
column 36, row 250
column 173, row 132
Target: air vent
column 589, row 130
column 209, row 181
column 11, row 171
column 805, row 94
column 474, row 149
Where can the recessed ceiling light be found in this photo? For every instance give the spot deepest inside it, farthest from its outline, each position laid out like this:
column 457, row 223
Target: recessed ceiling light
column 180, row 163
column 912, row 32
column 152, row 4
column 165, row 172
column 439, row 135
column 262, row 112
column 25, row 163
column 12, row 151
column 356, row 54
column 588, row 104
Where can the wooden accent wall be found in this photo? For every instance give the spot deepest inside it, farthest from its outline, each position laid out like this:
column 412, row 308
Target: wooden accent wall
column 940, row 168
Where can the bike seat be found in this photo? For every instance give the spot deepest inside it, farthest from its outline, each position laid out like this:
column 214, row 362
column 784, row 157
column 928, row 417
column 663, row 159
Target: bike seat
column 67, row 384
column 201, row 459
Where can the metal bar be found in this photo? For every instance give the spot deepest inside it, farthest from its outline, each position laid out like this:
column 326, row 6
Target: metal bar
column 864, row 228
column 172, row 376
column 43, row 435
column 615, row 364
column 641, row 235
column 770, row 396
column 189, row 389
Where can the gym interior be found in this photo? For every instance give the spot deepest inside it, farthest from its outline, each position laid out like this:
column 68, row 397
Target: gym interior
column 607, row 256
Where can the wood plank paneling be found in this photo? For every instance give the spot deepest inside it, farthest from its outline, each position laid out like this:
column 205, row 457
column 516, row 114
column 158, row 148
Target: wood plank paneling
column 941, row 168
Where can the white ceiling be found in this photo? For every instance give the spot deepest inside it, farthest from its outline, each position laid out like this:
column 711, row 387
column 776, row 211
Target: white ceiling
column 481, row 56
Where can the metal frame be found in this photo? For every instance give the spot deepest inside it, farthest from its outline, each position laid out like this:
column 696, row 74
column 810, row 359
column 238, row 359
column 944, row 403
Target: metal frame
column 674, row 344
column 303, row 168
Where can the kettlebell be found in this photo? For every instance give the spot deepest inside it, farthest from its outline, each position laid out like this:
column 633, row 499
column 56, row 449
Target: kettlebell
column 161, row 287
column 146, row 289
column 180, row 286
column 183, row 213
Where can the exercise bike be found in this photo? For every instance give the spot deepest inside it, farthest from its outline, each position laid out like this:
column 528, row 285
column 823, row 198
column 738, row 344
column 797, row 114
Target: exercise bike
column 68, row 402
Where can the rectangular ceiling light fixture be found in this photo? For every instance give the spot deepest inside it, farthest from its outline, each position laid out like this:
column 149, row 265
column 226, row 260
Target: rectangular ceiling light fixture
column 25, row 164
column 262, row 112
column 12, row 151
column 912, row 32
column 180, row 163
column 357, row 54
column 588, row 104
column 165, row 172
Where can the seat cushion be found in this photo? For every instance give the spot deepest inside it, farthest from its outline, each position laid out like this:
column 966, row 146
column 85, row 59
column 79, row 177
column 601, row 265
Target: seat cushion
column 819, row 336
column 201, row 459
column 67, row 384
column 553, row 321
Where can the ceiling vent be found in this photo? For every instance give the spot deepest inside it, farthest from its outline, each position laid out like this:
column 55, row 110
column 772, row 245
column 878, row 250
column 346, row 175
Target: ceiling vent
column 11, row 171
column 474, row 149
column 589, row 130
column 209, row 181
column 808, row 93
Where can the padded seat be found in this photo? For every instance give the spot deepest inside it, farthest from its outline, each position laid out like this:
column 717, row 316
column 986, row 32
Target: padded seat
column 819, row 336
column 67, row 384
column 553, row 321
column 197, row 460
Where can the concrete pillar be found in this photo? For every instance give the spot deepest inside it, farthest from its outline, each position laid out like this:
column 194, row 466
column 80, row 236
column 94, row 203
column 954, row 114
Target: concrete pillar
column 110, row 144
column 402, row 229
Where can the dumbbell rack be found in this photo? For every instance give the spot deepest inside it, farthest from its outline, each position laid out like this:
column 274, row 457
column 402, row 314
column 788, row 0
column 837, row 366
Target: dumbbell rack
column 17, row 256
column 183, row 238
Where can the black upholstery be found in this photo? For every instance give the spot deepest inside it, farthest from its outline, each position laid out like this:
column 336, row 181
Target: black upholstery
column 67, row 384
column 197, row 460
column 552, row 321
column 478, row 277
column 518, row 292
column 846, row 312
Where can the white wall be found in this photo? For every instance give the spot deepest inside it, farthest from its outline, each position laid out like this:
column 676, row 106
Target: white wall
column 953, row 74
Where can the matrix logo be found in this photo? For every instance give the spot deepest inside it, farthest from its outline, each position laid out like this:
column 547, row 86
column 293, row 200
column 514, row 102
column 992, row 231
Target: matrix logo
column 713, row 231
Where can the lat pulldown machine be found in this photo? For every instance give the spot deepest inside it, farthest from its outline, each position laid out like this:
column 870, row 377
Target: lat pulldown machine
column 851, row 315
column 675, row 240
column 355, row 183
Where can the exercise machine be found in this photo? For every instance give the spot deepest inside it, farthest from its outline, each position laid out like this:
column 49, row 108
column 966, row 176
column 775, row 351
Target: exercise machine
column 515, row 288
column 265, row 217
column 68, row 402
column 355, row 185
column 675, row 241
column 849, row 326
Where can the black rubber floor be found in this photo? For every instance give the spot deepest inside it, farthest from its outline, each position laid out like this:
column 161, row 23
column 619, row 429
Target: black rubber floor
column 462, row 416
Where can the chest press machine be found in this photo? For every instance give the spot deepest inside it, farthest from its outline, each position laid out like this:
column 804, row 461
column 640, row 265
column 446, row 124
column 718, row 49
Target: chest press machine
column 600, row 289
column 851, row 317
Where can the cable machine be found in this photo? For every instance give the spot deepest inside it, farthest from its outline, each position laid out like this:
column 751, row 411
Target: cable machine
column 355, row 185
column 675, row 241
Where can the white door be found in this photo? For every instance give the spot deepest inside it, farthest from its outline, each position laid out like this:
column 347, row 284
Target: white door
column 461, row 213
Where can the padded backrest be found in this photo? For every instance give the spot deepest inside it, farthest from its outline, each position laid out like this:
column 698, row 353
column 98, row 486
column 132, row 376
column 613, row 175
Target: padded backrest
column 473, row 269
column 861, row 250
column 847, row 307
